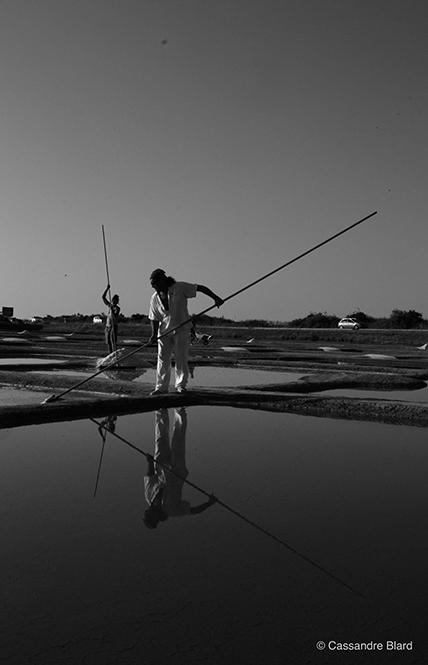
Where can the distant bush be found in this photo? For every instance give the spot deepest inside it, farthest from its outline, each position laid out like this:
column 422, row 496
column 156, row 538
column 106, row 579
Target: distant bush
column 137, row 318
column 205, row 320
column 363, row 319
column 380, row 323
column 405, row 319
column 258, row 323
column 318, row 320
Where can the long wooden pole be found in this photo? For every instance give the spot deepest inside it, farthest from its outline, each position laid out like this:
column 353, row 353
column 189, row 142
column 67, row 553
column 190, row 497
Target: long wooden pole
column 106, row 260
column 108, row 278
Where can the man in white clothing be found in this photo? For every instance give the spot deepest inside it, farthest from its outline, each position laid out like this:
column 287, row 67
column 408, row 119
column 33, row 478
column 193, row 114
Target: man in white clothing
column 168, row 309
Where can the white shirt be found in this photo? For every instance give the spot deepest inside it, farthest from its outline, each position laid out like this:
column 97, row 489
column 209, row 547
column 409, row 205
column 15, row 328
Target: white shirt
column 178, row 294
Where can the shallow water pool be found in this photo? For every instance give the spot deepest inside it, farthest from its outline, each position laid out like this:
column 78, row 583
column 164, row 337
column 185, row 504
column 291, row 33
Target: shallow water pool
column 86, row 581
column 31, row 361
column 200, row 376
column 13, row 395
column 228, row 376
column 419, row 395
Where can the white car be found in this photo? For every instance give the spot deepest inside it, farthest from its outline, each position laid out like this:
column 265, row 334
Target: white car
column 348, row 324
column 97, row 319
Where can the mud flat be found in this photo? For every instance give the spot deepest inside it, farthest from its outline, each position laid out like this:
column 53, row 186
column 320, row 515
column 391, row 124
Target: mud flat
column 101, row 398
column 365, row 366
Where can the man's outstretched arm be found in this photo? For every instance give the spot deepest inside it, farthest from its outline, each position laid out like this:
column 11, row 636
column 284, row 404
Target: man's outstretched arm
column 194, row 510
column 207, row 292
column 105, row 300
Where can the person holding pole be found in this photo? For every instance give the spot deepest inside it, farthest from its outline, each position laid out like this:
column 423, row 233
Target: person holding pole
column 54, row 397
column 171, row 324
column 112, row 320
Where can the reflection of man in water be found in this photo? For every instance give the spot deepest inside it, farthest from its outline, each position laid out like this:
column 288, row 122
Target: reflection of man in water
column 166, row 473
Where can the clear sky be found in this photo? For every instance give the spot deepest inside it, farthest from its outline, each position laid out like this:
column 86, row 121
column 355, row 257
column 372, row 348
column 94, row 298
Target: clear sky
column 216, row 139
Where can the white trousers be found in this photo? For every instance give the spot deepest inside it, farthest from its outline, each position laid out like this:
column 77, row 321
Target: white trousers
column 178, row 343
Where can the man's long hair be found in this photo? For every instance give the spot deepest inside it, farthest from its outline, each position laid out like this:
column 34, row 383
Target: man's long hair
column 159, row 271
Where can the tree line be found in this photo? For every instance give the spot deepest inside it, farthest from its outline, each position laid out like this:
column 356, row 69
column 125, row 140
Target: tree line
column 401, row 319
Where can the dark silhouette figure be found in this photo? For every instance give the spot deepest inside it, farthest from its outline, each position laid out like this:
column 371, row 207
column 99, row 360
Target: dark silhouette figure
column 112, row 320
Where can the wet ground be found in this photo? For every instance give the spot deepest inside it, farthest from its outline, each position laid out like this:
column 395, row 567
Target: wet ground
column 85, row 581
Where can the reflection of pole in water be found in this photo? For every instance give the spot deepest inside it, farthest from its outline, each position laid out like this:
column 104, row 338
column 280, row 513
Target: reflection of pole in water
column 212, row 499
column 106, row 425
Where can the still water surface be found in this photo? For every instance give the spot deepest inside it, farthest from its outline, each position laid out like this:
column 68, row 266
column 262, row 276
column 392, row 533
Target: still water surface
column 200, row 376
column 229, row 376
column 86, row 581
column 30, row 361
column 419, row 395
